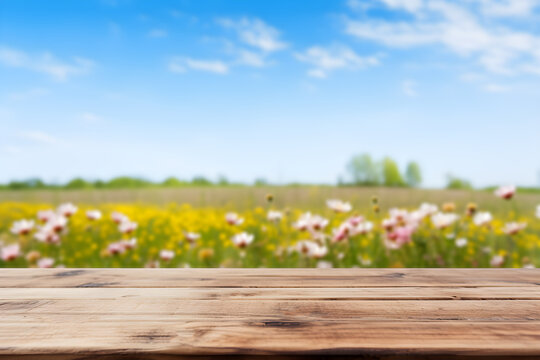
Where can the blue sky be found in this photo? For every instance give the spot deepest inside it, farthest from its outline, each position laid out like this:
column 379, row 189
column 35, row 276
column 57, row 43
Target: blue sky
column 286, row 90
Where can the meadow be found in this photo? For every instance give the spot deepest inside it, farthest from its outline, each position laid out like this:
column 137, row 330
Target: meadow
column 305, row 226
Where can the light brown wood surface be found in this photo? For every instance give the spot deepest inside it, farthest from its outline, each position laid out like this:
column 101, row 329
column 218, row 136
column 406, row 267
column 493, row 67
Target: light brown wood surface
column 268, row 313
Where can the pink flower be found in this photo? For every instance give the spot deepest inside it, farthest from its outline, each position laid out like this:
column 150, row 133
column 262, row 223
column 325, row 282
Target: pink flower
column 119, row 217
column 355, row 220
column 45, row 215
column 362, row 228
column 127, row 227
column 233, row 219
column 506, row 192
column 45, row 263
column 67, row 209
column 513, row 228
column 10, row 252
column 116, row 248
column 22, row 227
column 243, row 239
column 166, row 255
column 93, row 214
column 342, row 232
column 399, row 236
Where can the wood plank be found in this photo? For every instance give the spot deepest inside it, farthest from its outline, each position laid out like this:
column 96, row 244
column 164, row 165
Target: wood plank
column 271, row 337
column 187, row 310
column 268, row 278
column 304, row 294
column 287, row 313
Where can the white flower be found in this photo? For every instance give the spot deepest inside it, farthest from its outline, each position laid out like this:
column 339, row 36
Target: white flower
column 93, row 214
column 398, row 215
column 233, row 219
column 505, row 192
column 10, row 252
column 45, row 263
column 324, row 264
column 119, row 217
column 529, row 266
column 45, row 215
column 312, row 223
column 443, row 220
column 243, row 239
column 67, row 209
column 274, row 215
column 166, row 255
column 311, row 249
column 482, row 218
column 22, row 227
column 57, row 223
column 127, row 227
column 339, row 206
column 428, row 209
column 46, row 234
column 362, row 228
column 497, row 261
column 129, row 244
column 365, row 261
column 461, row 242
column 513, row 228
column 191, row 237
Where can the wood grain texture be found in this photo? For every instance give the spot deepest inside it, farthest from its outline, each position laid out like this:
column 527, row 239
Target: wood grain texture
column 268, row 313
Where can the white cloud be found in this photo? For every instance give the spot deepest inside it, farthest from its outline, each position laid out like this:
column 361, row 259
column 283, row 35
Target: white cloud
column 508, row 8
column 325, row 60
column 157, row 33
column 495, row 88
column 90, row 118
column 39, row 136
column 28, row 94
column 45, row 63
column 256, row 33
column 12, row 150
column 180, row 65
column 409, row 88
column 454, row 26
column 250, row 58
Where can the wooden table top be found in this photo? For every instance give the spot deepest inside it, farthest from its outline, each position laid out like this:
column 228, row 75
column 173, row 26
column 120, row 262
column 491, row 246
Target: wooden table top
column 288, row 313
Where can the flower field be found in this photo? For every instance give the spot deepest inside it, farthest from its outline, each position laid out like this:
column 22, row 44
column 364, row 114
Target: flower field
column 366, row 232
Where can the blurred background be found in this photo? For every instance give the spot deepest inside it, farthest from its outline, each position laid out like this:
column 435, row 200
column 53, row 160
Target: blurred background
column 219, row 104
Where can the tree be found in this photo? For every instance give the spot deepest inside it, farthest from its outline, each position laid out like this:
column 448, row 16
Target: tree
column 363, row 171
column 391, row 174
column 78, row 183
column 457, row 183
column 413, row 175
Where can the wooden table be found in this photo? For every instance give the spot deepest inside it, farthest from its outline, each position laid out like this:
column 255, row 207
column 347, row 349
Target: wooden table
column 286, row 313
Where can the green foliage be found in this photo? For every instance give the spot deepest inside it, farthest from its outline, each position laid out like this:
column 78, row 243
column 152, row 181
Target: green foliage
column 413, row 174
column 457, row 183
column 260, row 182
column 78, row 183
column 391, row 174
column 201, row 181
column 363, row 170
column 126, row 182
column 174, row 182
column 33, row 183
